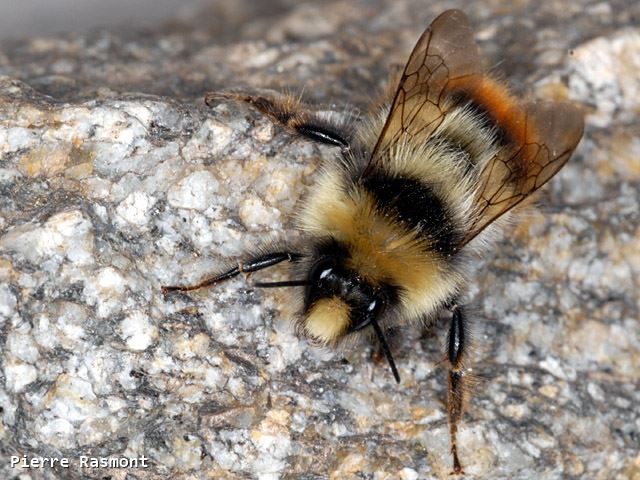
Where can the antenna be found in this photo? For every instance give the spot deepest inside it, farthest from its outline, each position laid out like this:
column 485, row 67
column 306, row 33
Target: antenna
column 385, row 348
column 286, row 283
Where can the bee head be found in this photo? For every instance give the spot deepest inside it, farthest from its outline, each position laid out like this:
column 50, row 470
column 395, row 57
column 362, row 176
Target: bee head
column 338, row 302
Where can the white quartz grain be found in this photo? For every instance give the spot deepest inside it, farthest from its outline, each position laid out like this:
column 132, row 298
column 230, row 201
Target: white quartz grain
column 65, row 235
column 22, row 347
column 7, row 301
column 135, row 208
column 188, row 452
column 197, row 190
column 104, row 289
column 137, row 331
column 18, row 375
column 211, row 139
column 604, row 74
column 254, row 212
column 59, row 432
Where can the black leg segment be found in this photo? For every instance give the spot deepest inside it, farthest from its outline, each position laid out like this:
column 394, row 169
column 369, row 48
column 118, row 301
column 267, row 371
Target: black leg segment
column 456, row 345
column 257, row 263
column 291, row 113
column 457, row 336
column 322, row 134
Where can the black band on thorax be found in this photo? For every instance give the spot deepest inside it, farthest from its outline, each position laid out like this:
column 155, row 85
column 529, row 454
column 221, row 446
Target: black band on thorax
column 414, row 204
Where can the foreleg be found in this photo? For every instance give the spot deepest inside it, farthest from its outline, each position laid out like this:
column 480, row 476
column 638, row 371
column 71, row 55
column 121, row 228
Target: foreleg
column 257, row 263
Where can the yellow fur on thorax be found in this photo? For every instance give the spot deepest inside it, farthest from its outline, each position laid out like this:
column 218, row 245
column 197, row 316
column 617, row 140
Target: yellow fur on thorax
column 381, row 250
column 444, row 169
column 425, row 158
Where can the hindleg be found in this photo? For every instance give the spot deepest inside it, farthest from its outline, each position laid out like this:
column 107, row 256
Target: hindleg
column 457, row 344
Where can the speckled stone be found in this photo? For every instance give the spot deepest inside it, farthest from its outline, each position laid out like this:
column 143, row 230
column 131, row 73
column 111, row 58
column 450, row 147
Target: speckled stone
column 115, row 179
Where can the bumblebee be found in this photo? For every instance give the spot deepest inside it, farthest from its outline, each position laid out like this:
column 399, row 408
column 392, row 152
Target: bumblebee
column 413, row 192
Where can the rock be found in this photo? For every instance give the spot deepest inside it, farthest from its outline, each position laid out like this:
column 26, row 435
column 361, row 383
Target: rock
column 116, row 179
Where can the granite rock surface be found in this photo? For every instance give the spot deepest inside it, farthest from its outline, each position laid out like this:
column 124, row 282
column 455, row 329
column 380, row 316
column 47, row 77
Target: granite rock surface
column 115, row 179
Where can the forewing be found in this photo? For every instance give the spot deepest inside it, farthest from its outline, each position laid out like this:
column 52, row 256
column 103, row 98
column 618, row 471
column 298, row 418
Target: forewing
column 444, row 60
column 545, row 137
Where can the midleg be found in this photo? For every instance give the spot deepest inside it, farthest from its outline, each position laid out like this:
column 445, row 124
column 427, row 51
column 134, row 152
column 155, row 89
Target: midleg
column 289, row 112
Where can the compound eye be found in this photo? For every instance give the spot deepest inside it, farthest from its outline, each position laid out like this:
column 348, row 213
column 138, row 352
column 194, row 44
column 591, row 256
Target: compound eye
column 325, row 273
column 375, row 307
column 322, row 271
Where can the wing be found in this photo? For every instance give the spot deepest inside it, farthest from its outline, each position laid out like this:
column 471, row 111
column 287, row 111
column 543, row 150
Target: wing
column 545, row 136
column 445, row 63
column 444, row 60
